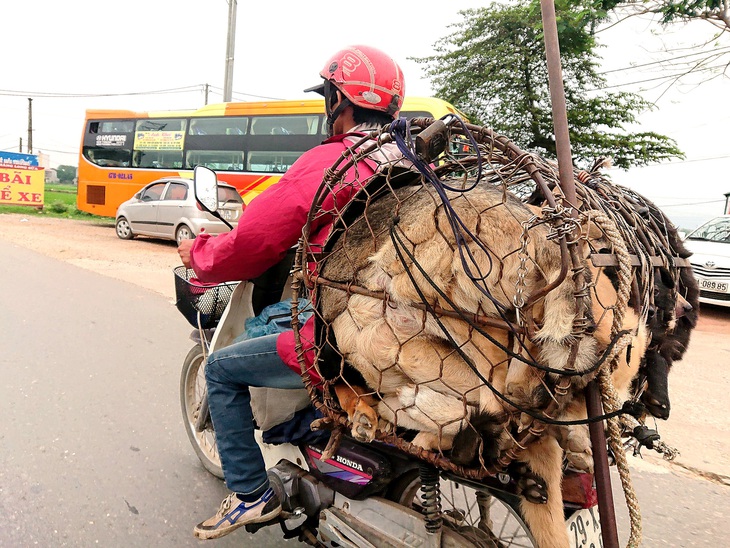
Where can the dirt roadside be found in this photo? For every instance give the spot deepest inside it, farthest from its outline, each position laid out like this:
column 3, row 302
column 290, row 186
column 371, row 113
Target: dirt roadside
column 699, row 383
column 93, row 245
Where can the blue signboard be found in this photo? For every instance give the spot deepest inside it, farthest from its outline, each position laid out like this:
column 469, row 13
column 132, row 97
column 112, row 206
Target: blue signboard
column 18, row 159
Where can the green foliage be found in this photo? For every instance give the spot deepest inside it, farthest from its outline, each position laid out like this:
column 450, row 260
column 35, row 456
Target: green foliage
column 687, row 10
column 66, row 174
column 57, row 207
column 493, row 68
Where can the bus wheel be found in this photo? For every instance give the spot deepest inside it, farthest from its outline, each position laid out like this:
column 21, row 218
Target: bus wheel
column 124, row 231
column 183, row 232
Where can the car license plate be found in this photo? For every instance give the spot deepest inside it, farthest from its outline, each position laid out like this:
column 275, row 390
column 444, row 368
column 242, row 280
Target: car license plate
column 584, row 529
column 713, row 285
column 227, row 214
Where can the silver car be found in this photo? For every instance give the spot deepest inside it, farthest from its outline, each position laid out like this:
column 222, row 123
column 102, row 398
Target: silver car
column 710, row 247
column 167, row 209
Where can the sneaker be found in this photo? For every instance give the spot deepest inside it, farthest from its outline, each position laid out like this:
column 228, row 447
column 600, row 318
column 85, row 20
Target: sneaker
column 235, row 513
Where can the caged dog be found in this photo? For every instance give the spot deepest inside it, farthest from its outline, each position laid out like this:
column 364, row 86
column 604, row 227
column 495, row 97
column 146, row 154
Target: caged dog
column 673, row 317
column 673, row 308
column 396, row 364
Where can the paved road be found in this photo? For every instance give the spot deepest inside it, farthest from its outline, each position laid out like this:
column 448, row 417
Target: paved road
column 92, row 449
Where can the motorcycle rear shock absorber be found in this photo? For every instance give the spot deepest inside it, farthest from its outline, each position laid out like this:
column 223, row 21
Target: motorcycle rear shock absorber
column 430, row 497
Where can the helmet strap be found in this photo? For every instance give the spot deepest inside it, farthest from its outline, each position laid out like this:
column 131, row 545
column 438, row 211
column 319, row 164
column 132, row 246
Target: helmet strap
column 332, row 115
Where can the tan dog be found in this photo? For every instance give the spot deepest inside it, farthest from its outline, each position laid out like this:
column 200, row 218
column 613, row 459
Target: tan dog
column 416, row 366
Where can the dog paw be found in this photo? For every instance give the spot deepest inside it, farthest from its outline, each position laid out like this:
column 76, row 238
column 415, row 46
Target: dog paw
column 385, row 427
column 407, row 395
column 364, row 424
column 529, row 485
column 578, row 450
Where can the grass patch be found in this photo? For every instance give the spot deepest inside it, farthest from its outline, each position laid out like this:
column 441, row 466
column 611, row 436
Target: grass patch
column 59, row 201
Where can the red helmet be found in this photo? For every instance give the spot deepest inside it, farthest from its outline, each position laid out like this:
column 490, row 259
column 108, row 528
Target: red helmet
column 368, row 77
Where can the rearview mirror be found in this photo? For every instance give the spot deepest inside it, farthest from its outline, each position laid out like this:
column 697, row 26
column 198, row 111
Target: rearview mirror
column 205, row 184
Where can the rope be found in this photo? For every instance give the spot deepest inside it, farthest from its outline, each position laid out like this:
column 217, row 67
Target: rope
column 610, row 397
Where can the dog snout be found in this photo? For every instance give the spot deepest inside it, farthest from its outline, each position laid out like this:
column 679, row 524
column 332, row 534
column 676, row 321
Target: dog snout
column 682, row 308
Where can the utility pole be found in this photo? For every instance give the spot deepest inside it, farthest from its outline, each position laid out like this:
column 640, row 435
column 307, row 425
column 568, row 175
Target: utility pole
column 30, row 125
column 20, row 145
column 206, row 93
column 230, row 48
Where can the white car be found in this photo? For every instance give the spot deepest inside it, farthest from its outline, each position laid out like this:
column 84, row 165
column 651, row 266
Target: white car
column 710, row 247
column 166, row 208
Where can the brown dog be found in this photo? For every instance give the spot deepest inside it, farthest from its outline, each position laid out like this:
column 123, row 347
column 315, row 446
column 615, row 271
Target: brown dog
column 427, row 372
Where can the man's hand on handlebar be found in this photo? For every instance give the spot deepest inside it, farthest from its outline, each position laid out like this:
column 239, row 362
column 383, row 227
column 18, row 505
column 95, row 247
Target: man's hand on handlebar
column 184, row 251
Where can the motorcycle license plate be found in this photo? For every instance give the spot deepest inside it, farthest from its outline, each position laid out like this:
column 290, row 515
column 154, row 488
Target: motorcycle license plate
column 584, row 529
column 713, row 285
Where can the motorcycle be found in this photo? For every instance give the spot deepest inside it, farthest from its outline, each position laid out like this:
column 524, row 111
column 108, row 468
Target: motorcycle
column 364, row 494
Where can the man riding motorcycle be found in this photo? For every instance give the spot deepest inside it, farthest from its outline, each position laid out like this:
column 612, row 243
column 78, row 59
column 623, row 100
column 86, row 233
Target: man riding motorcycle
column 363, row 90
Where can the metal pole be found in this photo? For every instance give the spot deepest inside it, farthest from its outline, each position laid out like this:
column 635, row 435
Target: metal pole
column 230, row 49
column 30, row 125
column 557, row 98
column 606, row 508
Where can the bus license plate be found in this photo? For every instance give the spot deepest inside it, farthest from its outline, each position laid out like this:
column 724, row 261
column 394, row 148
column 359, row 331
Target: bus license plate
column 584, row 529
column 713, row 285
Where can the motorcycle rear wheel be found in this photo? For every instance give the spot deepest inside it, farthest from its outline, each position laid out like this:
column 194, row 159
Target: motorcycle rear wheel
column 192, row 391
column 498, row 526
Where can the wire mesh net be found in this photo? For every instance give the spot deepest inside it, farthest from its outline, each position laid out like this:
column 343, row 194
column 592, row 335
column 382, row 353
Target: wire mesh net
column 461, row 305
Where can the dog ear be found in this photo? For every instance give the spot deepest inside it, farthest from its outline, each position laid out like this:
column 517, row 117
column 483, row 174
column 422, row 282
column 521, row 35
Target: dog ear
column 666, row 278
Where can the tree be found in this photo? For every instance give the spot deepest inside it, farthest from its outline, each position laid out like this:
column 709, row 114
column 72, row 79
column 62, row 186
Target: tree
column 706, row 60
column 493, row 68
column 66, row 174
column 716, row 12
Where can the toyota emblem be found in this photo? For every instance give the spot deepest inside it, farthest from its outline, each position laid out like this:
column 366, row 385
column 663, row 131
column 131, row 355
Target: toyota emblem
column 710, row 264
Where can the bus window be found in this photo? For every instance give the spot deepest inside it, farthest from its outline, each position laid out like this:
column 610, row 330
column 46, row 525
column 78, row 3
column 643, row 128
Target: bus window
column 161, row 124
column 284, row 125
column 415, row 114
column 158, row 159
column 108, row 157
column 229, row 125
column 227, row 160
column 159, row 143
column 271, row 162
column 117, row 126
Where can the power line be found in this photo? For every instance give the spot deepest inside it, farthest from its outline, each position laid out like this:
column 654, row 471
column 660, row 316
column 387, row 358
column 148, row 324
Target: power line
column 185, row 89
column 716, row 52
column 692, row 204
column 20, row 93
column 240, row 93
column 666, row 77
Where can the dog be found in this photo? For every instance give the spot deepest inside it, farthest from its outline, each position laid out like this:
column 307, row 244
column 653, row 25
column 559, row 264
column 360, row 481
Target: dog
column 396, row 365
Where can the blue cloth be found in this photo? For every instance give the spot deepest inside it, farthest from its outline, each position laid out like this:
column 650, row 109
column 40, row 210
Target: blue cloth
column 229, row 373
column 275, row 318
column 297, row 429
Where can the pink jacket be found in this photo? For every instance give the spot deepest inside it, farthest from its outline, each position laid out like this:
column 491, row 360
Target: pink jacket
column 271, row 225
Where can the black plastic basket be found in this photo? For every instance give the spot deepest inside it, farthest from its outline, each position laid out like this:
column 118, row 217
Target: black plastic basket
column 193, row 298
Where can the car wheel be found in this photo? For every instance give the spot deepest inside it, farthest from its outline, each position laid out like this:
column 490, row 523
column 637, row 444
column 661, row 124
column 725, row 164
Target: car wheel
column 183, row 232
column 124, row 231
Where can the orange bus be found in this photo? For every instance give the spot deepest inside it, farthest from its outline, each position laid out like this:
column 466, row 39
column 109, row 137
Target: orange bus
column 250, row 145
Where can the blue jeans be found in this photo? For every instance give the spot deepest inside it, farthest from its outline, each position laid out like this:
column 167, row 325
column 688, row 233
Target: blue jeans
column 229, row 373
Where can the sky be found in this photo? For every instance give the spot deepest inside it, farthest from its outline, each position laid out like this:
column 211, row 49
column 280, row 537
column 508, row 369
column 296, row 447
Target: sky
column 158, row 54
